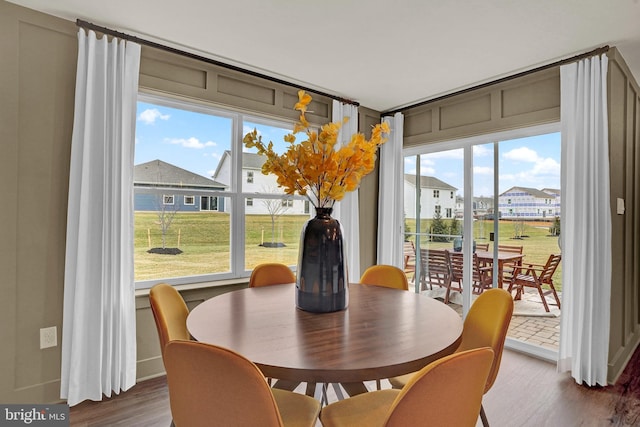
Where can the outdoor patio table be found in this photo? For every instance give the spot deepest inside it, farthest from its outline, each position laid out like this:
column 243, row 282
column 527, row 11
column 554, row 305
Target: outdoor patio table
column 503, row 257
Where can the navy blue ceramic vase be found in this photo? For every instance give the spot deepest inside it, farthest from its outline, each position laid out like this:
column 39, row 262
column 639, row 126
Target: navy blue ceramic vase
column 321, row 284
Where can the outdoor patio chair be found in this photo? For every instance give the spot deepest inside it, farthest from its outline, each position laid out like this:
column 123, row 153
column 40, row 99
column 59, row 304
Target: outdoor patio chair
column 409, row 251
column 434, row 270
column 536, row 276
column 482, row 247
column 480, row 276
column 509, row 267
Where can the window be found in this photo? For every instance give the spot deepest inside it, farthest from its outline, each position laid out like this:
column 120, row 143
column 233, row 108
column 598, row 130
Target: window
column 451, row 197
column 194, row 152
column 208, row 203
column 436, row 194
column 448, row 212
column 437, row 210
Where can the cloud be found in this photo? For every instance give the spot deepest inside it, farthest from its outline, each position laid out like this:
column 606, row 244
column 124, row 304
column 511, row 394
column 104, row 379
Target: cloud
column 541, row 165
column 483, row 170
column 482, row 150
column 149, row 116
column 522, row 154
column 191, row 142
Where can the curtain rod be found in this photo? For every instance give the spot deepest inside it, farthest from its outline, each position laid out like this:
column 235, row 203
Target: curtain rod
column 594, row 52
column 128, row 37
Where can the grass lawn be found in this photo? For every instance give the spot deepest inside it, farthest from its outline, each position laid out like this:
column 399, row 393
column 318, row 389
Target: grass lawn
column 204, row 238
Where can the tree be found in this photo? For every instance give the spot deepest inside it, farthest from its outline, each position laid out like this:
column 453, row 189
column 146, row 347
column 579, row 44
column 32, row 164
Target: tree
column 166, row 213
column 454, row 227
column 165, row 218
column 275, row 207
column 439, row 229
column 555, row 228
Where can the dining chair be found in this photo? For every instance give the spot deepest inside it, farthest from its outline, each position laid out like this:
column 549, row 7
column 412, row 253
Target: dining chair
column 275, row 273
column 536, row 276
column 486, row 325
column 271, row 273
column 447, row 392
column 388, row 276
column 214, row 386
column 170, row 314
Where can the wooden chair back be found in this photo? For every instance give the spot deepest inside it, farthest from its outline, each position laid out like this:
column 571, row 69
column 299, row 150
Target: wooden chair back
column 409, row 253
column 434, row 268
column 550, row 268
column 482, row 247
column 510, row 248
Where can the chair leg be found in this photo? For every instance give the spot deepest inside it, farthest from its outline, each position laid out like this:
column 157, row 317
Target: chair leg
column 483, row 417
column 544, row 300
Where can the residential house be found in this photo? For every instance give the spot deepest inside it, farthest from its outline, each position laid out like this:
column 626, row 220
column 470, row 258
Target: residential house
column 482, row 207
column 158, row 185
column 37, row 82
column 526, row 204
column 254, row 181
column 436, row 197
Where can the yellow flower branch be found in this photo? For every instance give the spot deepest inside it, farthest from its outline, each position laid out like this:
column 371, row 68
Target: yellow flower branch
column 313, row 167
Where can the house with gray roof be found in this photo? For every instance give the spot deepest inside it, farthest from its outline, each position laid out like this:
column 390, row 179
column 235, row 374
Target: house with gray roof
column 436, row 196
column 160, row 185
column 522, row 203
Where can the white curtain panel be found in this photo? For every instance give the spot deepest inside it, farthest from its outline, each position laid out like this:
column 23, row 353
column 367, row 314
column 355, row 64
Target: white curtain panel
column 391, row 200
column 347, row 211
column 586, row 222
column 99, row 329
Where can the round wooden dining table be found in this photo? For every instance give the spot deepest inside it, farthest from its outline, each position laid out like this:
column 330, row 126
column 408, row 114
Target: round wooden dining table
column 382, row 333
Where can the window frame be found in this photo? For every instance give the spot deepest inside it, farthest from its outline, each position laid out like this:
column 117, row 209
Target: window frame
column 234, row 194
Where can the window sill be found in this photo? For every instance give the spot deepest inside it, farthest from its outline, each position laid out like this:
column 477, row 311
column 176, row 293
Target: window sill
column 199, row 285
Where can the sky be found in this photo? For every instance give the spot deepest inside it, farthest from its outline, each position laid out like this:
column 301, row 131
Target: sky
column 532, row 162
column 190, row 140
column 196, row 141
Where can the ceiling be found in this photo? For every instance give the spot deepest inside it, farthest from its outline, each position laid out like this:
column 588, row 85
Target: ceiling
column 382, row 54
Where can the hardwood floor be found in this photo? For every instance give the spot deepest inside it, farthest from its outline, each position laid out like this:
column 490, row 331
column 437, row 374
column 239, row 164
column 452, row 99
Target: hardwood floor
column 528, row 392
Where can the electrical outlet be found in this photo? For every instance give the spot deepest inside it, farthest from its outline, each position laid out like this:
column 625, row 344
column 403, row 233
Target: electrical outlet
column 48, row 337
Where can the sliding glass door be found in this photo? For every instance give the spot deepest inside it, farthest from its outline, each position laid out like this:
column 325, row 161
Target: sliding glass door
column 488, row 207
